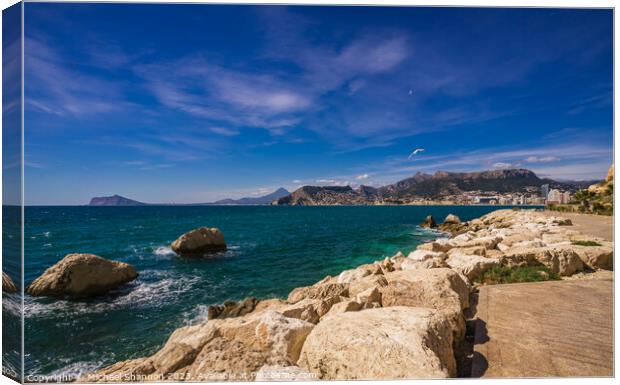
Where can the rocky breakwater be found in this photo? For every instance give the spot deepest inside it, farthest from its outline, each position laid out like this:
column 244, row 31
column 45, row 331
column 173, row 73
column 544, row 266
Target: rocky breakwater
column 81, row 275
column 397, row 318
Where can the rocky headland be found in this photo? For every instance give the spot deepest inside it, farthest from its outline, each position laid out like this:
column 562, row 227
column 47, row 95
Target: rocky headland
column 397, row 318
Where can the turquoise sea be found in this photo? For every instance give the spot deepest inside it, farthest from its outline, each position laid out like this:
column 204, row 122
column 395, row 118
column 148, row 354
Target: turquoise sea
column 271, row 251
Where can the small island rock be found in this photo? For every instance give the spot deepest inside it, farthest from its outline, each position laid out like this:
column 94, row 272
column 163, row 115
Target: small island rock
column 451, row 219
column 8, row 286
column 429, row 222
column 82, row 275
column 199, row 242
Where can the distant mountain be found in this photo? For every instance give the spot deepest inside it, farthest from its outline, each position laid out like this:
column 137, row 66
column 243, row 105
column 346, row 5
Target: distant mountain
column 114, row 200
column 264, row 200
column 314, row 195
column 449, row 183
column 427, row 186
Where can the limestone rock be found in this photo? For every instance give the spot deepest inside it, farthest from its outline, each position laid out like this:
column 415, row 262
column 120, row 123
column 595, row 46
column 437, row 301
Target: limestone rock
column 442, row 289
column 563, row 260
column 369, row 296
column 451, row 219
column 422, row 255
column 199, row 242
column 319, row 291
column 429, row 222
column 344, row 306
column 385, row 343
column 366, row 283
column 221, row 349
column 82, row 275
column 473, row 250
column 283, row 373
column 441, row 244
column 596, row 257
column 8, row 286
column 303, row 310
column 471, row 266
column 359, row 272
column 232, row 308
column 431, row 263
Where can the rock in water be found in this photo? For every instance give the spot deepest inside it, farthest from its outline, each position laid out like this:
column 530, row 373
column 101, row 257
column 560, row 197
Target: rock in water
column 429, row 222
column 451, row 219
column 383, row 343
column 82, row 275
column 232, row 309
column 8, row 286
column 199, row 242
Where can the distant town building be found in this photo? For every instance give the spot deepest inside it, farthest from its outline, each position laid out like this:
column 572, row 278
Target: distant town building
column 566, row 197
column 544, row 191
column 554, row 196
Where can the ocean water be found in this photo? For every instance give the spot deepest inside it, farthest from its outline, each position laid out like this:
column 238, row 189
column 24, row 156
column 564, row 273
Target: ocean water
column 271, row 251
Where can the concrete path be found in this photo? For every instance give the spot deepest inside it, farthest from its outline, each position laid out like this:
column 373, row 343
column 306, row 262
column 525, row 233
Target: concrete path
column 601, row 226
column 544, row 329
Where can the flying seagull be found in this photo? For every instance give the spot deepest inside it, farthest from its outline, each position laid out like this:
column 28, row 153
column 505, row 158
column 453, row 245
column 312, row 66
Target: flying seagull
column 415, row 152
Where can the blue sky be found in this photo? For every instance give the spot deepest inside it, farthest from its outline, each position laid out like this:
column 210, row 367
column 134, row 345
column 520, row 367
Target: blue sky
column 191, row 103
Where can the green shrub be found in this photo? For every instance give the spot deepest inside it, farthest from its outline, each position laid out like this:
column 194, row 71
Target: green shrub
column 586, row 243
column 504, row 274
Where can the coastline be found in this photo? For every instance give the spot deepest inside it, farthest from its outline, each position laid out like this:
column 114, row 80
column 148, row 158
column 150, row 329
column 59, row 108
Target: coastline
column 430, row 288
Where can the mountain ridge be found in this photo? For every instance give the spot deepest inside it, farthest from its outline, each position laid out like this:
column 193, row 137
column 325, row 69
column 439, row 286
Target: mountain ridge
column 426, row 186
column 117, row 200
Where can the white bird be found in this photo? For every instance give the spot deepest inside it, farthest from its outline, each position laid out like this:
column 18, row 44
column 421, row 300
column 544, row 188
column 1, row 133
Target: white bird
column 415, row 152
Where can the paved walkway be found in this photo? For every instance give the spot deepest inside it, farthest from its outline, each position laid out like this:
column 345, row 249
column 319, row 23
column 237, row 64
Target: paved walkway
column 601, row 226
column 545, row 329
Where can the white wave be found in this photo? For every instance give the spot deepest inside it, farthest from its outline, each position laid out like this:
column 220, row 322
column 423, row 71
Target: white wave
column 46, row 234
column 142, row 293
column 68, row 373
column 164, row 251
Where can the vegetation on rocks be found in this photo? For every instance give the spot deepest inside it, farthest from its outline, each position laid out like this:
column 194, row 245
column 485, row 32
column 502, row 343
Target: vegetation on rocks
column 586, row 243
column 505, row 274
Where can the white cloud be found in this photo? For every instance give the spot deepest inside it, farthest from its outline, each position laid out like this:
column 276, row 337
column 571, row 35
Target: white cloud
column 541, row 159
column 224, row 131
column 362, row 177
column 502, row 165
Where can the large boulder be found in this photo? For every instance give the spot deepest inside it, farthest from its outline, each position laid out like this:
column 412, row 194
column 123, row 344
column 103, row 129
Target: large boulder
column 82, row 275
column 423, row 259
column 441, row 244
column 232, row 308
column 8, row 286
column 221, row 349
column 380, row 344
column 442, row 289
column 451, row 219
column 359, row 272
column 199, row 242
column 429, row 222
column 596, row 257
column 318, row 291
column 560, row 259
column 470, row 265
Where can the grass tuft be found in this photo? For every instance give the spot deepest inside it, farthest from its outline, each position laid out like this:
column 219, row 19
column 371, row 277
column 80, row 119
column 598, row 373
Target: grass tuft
column 504, row 274
column 586, row 243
